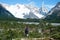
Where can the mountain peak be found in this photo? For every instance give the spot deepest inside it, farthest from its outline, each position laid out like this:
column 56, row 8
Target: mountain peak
column 58, row 5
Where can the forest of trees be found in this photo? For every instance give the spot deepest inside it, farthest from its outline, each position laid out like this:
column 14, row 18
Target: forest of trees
column 13, row 29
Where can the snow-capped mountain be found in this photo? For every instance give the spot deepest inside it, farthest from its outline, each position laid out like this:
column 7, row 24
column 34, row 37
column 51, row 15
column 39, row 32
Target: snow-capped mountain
column 24, row 11
column 43, row 11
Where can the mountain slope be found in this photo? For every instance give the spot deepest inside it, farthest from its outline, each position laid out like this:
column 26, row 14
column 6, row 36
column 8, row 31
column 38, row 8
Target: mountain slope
column 54, row 13
column 5, row 14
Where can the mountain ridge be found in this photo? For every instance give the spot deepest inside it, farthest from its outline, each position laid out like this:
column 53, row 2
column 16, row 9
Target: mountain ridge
column 54, row 13
column 5, row 13
column 24, row 11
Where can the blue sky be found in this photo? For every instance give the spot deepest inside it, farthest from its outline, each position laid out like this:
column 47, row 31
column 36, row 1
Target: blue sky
column 36, row 3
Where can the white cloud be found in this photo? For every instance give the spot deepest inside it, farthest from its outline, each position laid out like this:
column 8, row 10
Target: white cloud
column 50, row 6
column 32, row 3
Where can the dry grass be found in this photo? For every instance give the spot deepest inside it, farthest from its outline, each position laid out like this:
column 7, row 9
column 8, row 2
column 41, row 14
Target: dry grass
column 32, row 39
